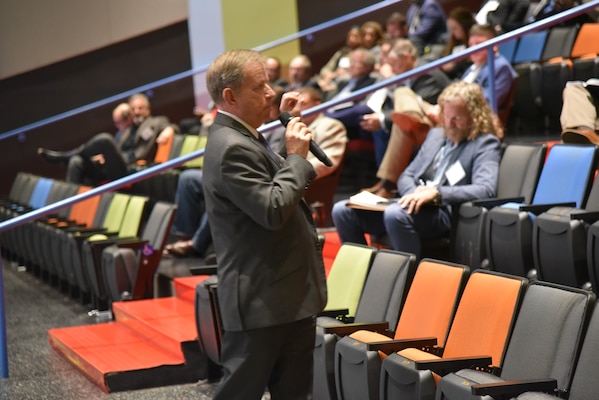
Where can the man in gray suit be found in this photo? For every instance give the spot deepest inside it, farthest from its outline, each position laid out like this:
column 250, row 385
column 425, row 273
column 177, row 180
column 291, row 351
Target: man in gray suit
column 458, row 162
column 270, row 269
column 106, row 157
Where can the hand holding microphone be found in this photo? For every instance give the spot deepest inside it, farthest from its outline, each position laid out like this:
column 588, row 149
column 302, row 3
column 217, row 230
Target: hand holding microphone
column 285, row 117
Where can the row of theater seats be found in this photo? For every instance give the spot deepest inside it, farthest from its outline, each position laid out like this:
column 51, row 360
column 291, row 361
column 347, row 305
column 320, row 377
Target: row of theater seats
column 550, row 232
column 545, row 61
column 436, row 330
column 95, row 249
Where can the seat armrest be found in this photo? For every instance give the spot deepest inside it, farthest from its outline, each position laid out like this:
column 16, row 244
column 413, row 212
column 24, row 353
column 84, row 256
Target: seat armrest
column 541, row 208
column 347, row 329
column 586, row 216
column 509, row 389
column 203, row 270
column 443, row 366
column 490, row 203
column 85, row 231
column 334, row 313
column 393, row 346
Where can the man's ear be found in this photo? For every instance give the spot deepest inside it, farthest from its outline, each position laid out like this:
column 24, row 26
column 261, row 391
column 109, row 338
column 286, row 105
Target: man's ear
column 229, row 96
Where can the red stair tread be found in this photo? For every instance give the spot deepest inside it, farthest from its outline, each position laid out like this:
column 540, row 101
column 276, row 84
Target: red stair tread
column 109, row 351
column 165, row 321
column 185, row 287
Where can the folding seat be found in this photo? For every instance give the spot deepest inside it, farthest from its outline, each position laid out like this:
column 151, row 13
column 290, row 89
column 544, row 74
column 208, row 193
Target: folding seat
column 209, row 326
column 544, row 344
column 89, row 214
column 20, row 191
column 70, row 244
column 527, row 101
column 556, row 70
column 176, row 146
column 585, row 53
column 560, row 240
column 508, row 49
column 346, row 280
column 197, row 162
column 565, row 180
column 382, row 297
column 30, row 237
column 93, row 245
column 477, row 338
column 585, row 384
column 426, row 315
column 519, row 171
column 128, row 265
column 46, row 228
column 38, row 199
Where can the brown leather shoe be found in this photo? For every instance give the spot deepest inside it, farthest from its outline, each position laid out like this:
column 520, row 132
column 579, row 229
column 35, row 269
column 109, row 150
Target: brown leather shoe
column 374, row 188
column 384, row 192
column 181, row 248
column 410, row 122
column 580, row 136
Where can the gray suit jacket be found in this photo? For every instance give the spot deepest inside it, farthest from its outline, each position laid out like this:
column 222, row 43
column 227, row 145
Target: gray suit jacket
column 479, row 159
column 270, row 265
column 144, row 147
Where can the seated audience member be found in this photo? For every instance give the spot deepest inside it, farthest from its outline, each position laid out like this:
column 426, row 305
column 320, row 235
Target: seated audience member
column 478, row 72
column 503, row 15
column 458, row 162
column 371, row 118
column 417, row 115
column 396, row 26
column 300, row 74
column 273, row 68
column 383, row 67
column 328, row 133
column 361, row 66
column 338, row 65
column 579, row 113
column 105, row 158
column 426, row 23
column 547, row 8
column 371, row 33
column 459, row 22
column 405, row 134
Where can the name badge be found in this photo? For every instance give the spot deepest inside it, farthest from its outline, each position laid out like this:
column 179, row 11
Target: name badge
column 146, row 134
column 455, row 173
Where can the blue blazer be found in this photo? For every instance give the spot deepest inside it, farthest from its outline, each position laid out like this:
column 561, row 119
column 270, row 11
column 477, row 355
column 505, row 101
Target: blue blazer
column 479, row 159
column 504, row 78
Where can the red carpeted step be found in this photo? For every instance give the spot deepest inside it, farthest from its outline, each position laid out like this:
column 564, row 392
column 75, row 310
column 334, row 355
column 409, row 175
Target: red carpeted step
column 166, row 322
column 151, row 343
column 117, row 359
column 185, row 287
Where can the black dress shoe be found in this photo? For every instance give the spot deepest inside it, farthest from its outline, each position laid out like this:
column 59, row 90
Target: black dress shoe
column 53, row 156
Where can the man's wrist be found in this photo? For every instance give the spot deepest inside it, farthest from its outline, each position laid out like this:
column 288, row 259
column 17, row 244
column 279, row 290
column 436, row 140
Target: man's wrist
column 438, row 199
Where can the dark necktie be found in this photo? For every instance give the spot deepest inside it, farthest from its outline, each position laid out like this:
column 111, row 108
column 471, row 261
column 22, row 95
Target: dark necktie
column 274, row 155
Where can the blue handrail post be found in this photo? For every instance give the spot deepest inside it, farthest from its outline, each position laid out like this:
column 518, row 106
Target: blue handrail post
column 3, row 348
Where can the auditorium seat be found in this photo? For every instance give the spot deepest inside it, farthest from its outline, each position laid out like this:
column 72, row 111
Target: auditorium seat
column 426, row 315
column 544, row 344
column 478, row 336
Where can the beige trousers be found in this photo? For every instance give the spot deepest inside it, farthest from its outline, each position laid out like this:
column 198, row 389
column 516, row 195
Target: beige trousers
column 401, row 144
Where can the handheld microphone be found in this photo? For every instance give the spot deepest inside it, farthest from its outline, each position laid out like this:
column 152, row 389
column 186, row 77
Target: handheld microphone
column 315, row 149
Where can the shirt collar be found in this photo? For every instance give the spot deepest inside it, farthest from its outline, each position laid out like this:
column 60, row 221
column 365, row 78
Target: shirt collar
column 253, row 131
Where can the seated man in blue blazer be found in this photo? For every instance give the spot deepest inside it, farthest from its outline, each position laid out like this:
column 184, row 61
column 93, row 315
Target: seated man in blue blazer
column 458, row 162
